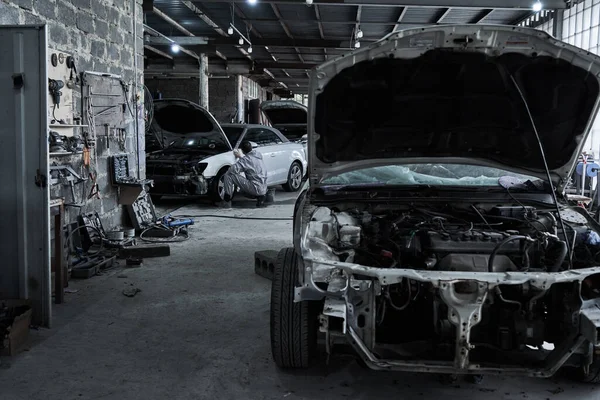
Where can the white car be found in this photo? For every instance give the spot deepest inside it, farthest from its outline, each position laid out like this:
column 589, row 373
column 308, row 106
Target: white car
column 199, row 153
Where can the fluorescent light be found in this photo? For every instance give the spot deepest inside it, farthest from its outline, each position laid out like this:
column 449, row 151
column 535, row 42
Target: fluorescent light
column 241, row 41
column 266, row 48
column 230, row 31
column 253, row 2
column 175, row 48
column 359, row 34
column 357, row 45
column 537, row 6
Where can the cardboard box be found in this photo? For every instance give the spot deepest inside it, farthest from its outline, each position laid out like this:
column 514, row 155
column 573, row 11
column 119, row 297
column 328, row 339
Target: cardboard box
column 15, row 335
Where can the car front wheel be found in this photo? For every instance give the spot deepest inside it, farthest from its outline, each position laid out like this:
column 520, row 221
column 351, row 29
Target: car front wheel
column 293, row 325
column 294, row 178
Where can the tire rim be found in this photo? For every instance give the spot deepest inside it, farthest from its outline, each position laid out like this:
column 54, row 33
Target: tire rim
column 295, row 176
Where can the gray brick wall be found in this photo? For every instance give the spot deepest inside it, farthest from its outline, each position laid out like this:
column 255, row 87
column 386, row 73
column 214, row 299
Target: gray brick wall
column 223, row 98
column 187, row 89
column 99, row 34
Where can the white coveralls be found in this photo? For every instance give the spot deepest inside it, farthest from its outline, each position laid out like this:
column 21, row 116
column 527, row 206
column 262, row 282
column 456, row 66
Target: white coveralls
column 255, row 182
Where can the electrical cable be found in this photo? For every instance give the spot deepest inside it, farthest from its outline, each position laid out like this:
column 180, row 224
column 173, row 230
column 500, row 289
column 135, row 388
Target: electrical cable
column 543, row 154
column 402, row 307
column 481, row 216
column 174, row 239
column 499, row 245
column 232, row 217
column 88, row 227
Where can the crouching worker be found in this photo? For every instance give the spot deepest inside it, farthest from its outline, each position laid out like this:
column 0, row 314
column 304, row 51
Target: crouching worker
column 254, row 184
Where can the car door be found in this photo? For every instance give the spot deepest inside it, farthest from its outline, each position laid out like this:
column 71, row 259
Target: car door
column 268, row 142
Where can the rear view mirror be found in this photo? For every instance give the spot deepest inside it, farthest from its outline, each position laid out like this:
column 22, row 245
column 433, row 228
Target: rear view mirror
column 254, row 145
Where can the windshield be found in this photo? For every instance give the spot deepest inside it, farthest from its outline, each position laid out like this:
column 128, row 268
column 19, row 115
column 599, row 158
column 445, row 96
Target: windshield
column 233, row 133
column 426, row 174
column 205, row 141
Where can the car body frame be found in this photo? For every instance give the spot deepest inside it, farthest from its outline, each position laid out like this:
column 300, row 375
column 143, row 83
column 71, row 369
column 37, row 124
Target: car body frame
column 461, row 284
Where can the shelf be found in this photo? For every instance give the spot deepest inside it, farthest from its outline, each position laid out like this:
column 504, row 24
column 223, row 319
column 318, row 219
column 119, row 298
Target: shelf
column 64, row 153
column 67, row 126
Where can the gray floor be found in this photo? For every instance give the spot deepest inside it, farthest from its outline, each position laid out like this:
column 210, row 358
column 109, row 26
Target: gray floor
column 199, row 329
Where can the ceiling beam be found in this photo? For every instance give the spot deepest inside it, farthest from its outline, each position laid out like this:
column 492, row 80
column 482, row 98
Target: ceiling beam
column 269, row 42
column 183, row 30
column 471, row 4
column 159, row 52
column 400, row 18
column 285, row 65
column 171, row 21
column 202, row 15
column 319, row 22
column 443, row 15
column 166, row 41
column 482, row 15
column 285, row 28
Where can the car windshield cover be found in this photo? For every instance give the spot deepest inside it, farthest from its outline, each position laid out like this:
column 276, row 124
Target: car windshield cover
column 181, row 119
column 426, row 174
column 205, row 141
column 233, row 133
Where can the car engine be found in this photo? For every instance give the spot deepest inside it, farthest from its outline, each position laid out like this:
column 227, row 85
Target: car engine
column 466, row 237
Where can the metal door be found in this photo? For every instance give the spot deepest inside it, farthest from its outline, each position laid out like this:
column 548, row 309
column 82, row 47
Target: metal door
column 24, row 194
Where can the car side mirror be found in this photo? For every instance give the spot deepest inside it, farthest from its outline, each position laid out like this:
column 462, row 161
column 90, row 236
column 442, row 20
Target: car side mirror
column 254, row 145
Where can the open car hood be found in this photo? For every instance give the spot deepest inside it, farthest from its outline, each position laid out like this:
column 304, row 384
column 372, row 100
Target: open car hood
column 284, row 112
column 451, row 94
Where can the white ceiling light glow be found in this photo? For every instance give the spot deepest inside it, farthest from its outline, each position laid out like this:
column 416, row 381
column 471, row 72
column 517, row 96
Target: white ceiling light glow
column 175, row 48
column 537, row 6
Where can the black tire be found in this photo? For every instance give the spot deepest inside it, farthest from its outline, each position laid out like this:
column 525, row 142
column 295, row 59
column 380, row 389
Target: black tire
column 293, row 325
column 294, row 182
column 593, row 374
column 214, row 190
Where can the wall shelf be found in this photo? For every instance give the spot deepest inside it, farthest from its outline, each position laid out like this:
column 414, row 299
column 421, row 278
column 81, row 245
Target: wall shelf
column 64, row 153
column 67, row 126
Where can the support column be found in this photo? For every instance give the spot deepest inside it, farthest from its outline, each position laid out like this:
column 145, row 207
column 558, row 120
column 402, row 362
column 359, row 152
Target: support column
column 557, row 24
column 203, row 90
column 239, row 98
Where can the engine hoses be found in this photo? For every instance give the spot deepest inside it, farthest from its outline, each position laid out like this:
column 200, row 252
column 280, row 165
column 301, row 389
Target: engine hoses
column 502, row 243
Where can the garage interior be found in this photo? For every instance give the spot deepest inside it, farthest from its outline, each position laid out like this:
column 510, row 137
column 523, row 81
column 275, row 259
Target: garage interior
column 185, row 316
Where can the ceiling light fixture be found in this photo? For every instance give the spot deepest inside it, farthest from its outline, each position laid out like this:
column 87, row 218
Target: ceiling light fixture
column 241, row 42
column 357, row 45
column 175, row 48
column 230, row 31
column 250, row 49
column 309, row 2
column 537, row 6
column 359, row 33
column 253, row 2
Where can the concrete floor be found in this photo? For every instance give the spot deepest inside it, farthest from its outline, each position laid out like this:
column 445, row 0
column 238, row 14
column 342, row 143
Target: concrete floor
column 199, row 329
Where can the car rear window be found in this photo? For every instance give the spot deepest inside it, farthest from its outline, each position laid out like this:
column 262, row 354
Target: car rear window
column 181, row 119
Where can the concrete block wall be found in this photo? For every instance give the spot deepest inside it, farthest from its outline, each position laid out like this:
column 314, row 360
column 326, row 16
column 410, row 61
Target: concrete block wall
column 187, row 89
column 222, row 93
column 99, row 34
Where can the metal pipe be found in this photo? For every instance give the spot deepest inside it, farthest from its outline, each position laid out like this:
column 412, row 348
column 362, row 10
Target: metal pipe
column 135, row 89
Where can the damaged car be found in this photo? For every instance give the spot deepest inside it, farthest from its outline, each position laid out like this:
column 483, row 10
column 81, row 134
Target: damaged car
column 201, row 151
column 433, row 234
column 287, row 116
